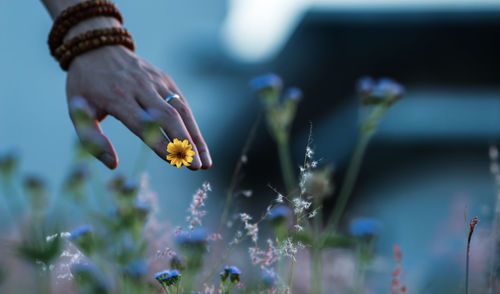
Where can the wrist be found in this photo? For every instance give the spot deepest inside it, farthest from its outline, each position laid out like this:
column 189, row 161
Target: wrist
column 92, row 24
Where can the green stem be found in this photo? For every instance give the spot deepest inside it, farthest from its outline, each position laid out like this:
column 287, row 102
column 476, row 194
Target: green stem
column 316, row 271
column 349, row 181
column 236, row 172
column 44, row 282
column 359, row 274
column 291, row 276
column 286, row 163
column 315, row 260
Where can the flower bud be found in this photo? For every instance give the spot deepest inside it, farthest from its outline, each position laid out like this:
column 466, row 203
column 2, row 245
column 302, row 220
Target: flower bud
column 265, row 82
column 36, row 190
column 177, row 263
column 77, row 177
column 167, row 278
column 136, row 269
column 365, row 227
column 384, row 90
column 151, row 129
column 231, row 272
column 293, row 94
column 8, row 162
column 279, row 215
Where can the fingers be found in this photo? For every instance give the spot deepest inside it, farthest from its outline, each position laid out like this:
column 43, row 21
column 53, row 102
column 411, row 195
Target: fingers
column 187, row 116
column 132, row 116
column 169, row 119
column 89, row 132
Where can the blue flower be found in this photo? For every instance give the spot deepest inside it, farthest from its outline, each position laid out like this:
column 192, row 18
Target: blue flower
column 294, row 94
column 278, row 213
column 141, row 210
column 130, row 187
column 136, row 268
column 382, row 90
column 365, row 85
column 80, row 231
column 197, row 236
column 160, row 276
column 232, row 272
column 168, row 278
column 365, row 227
column 268, row 278
column 268, row 81
column 388, row 88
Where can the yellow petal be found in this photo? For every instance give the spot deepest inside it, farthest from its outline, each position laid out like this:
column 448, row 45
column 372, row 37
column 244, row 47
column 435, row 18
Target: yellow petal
column 186, row 163
column 176, row 141
column 189, row 159
column 171, row 148
column 171, row 157
column 185, row 143
column 179, row 163
column 190, row 153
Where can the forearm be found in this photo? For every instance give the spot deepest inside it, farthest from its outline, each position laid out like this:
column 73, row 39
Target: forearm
column 55, row 7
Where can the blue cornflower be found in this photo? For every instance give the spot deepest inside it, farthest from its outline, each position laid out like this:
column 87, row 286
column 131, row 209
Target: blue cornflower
column 279, row 213
column 83, row 238
column 197, row 236
column 268, row 278
column 268, row 81
column 388, row 88
column 382, row 90
column 293, row 93
column 232, row 272
column 365, row 85
column 80, row 231
column 142, row 210
column 365, row 227
column 168, row 278
column 160, row 276
column 136, row 268
column 130, row 187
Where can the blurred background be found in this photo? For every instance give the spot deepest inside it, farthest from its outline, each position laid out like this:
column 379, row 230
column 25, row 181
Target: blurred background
column 427, row 164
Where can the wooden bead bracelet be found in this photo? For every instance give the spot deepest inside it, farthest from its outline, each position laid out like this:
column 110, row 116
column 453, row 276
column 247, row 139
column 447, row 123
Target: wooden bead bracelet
column 77, row 13
column 88, row 44
column 94, row 34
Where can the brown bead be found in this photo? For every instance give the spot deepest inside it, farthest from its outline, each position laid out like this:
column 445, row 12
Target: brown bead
column 78, row 13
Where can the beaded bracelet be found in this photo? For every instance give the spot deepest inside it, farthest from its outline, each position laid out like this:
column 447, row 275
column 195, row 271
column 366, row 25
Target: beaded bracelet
column 98, row 33
column 88, row 44
column 77, row 13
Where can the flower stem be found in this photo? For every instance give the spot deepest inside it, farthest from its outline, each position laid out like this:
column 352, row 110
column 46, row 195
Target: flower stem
column 287, row 169
column 236, row 173
column 316, row 271
column 349, row 181
column 291, row 276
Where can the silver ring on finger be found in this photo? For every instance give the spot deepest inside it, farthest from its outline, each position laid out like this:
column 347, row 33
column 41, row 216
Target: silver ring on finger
column 172, row 96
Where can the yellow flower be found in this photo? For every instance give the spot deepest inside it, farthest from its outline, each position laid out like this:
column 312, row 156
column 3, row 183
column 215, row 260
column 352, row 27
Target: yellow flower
column 180, row 153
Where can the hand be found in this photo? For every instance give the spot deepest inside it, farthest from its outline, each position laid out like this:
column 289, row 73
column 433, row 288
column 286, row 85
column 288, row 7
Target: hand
column 114, row 80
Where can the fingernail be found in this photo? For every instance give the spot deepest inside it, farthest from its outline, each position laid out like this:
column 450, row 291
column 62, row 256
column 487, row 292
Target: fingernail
column 206, row 159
